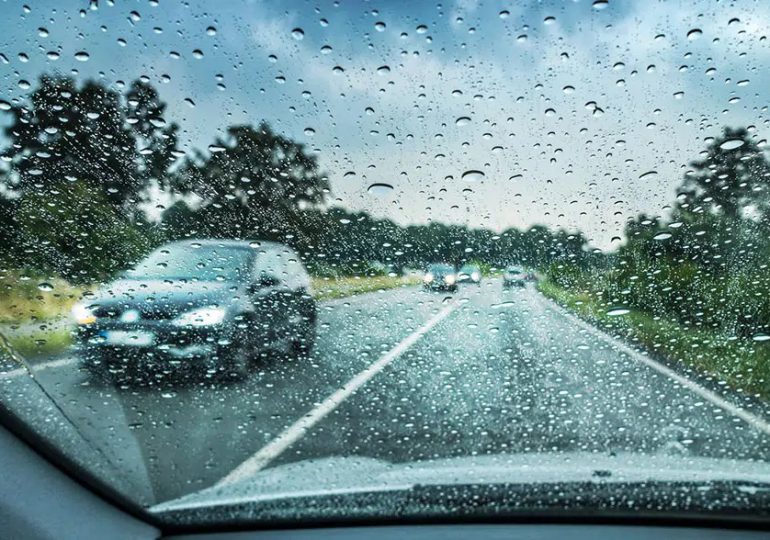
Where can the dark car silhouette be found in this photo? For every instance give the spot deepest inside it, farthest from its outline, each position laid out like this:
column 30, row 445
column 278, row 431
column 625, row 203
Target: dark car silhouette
column 440, row 277
column 207, row 305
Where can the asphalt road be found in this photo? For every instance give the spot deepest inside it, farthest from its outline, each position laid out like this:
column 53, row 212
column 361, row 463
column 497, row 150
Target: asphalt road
column 497, row 372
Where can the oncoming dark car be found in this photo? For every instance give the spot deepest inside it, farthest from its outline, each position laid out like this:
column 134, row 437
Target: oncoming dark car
column 514, row 276
column 206, row 305
column 440, row 277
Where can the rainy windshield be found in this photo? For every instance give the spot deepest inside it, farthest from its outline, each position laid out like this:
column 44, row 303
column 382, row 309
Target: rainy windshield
column 229, row 235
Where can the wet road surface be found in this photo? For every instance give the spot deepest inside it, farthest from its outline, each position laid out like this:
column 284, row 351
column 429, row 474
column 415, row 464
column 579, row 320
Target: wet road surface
column 493, row 372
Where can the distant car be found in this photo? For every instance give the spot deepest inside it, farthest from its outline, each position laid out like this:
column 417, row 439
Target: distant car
column 208, row 304
column 440, row 277
column 469, row 273
column 514, row 276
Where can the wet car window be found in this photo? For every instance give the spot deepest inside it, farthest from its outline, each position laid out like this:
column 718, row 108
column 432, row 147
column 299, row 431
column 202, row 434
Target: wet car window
column 204, row 263
column 303, row 261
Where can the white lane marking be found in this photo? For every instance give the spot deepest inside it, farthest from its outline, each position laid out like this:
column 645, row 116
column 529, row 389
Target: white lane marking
column 753, row 420
column 298, row 429
column 61, row 362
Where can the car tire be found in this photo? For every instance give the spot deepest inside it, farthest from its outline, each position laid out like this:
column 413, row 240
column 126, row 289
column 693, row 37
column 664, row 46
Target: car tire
column 237, row 359
column 96, row 365
column 305, row 333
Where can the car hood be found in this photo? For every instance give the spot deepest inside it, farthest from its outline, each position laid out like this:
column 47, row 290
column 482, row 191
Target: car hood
column 163, row 295
column 351, row 475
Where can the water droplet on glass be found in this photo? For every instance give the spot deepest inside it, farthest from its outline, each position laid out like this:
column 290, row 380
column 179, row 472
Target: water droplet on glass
column 600, row 4
column 761, row 337
column 309, row 131
column 662, row 236
column 463, row 121
column 383, row 70
column 473, row 176
column 211, row 31
column 694, row 34
column 616, row 312
column 421, row 29
column 198, row 54
column 42, row 32
column 380, row 189
column 568, row 89
column 379, row 26
column 298, row 34
column 326, row 49
column 82, row 56
column 732, row 144
column 549, row 20
column 45, row 286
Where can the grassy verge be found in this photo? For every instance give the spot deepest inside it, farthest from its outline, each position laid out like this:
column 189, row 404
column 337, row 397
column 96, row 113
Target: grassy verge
column 24, row 299
column 331, row 288
column 40, row 342
column 741, row 363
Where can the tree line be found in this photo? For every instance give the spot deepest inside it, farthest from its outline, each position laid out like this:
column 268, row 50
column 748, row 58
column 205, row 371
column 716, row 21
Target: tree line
column 82, row 160
column 705, row 265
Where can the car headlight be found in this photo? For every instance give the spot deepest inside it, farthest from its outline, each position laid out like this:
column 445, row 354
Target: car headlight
column 428, row 277
column 450, row 279
column 475, row 276
column 205, row 316
column 83, row 314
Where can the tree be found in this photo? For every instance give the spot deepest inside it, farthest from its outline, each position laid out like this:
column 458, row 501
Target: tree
column 733, row 176
column 254, row 182
column 78, row 167
column 157, row 138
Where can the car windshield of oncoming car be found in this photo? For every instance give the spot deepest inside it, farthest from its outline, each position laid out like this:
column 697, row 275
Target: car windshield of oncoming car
column 203, row 263
column 441, row 269
column 230, row 234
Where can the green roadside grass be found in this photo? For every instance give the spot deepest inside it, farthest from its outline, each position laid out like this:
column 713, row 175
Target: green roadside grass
column 342, row 287
column 40, row 343
column 740, row 363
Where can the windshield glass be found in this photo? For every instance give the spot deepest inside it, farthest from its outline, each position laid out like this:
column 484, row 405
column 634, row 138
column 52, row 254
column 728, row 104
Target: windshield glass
column 440, row 269
column 229, row 235
column 193, row 261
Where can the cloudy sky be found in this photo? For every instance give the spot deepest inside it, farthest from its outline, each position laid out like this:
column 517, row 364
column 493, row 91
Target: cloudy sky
column 578, row 114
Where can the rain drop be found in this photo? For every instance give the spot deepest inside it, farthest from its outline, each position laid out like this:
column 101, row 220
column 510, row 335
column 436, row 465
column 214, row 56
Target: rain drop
column 473, row 176
column 732, row 144
column 380, row 189
column 694, row 34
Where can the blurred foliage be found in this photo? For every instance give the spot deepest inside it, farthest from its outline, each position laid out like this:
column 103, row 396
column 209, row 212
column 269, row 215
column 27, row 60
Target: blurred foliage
column 82, row 161
column 696, row 283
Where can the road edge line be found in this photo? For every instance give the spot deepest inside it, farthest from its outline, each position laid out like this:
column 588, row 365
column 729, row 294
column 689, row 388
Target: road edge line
column 260, row 459
column 753, row 420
